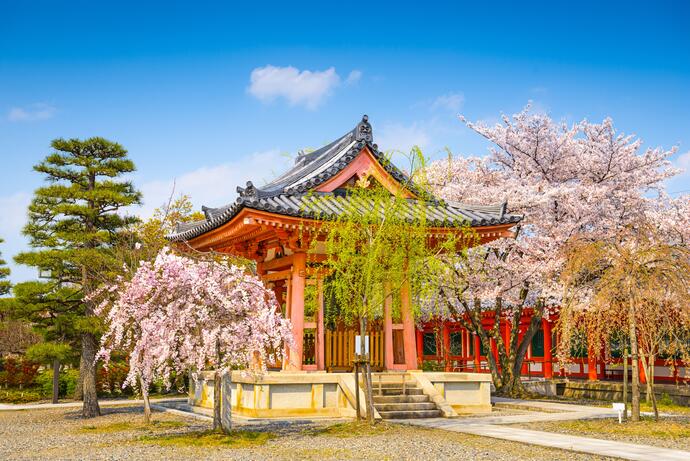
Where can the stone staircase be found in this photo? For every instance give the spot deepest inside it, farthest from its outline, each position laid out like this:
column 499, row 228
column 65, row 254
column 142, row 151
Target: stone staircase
column 397, row 397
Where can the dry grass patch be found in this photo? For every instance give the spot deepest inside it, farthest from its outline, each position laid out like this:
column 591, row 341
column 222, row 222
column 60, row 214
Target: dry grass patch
column 122, row 426
column 664, row 428
column 353, row 429
column 235, row 439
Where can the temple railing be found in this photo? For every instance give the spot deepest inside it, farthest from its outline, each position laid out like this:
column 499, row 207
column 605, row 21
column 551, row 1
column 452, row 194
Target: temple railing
column 340, row 349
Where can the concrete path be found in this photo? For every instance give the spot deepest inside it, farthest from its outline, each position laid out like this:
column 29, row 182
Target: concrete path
column 493, row 426
column 548, row 439
column 103, row 403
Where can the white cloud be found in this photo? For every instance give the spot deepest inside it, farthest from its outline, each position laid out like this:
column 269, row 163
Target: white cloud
column 31, row 113
column 683, row 161
column 307, row 88
column 400, row 137
column 449, row 101
column 353, row 77
column 214, row 186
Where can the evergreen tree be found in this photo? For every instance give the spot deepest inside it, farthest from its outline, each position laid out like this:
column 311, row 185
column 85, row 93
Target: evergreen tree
column 55, row 311
column 4, row 273
column 73, row 225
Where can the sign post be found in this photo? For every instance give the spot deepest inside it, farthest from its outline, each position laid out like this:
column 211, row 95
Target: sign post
column 361, row 358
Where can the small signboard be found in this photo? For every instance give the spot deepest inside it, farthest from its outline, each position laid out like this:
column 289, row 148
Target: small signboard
column 620, row 408
column 358, row 345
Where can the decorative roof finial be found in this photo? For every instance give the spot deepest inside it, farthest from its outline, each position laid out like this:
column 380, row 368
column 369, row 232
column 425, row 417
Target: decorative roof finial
column 301, row 156
column 249, row 191
column 363, row 131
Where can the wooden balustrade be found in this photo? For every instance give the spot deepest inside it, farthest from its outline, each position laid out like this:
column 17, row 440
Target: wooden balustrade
column 340, row 349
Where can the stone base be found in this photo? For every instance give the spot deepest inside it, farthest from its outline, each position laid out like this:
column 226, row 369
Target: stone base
column 285, row 394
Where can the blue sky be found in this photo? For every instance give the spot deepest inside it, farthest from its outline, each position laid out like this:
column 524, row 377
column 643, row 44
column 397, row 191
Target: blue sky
column 210, row 95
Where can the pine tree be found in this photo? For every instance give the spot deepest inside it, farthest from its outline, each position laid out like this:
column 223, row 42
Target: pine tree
column 4, row 273
column 73, row 225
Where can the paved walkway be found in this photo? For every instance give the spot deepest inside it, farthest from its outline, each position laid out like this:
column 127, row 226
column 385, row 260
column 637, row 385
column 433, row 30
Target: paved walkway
column 494, row 426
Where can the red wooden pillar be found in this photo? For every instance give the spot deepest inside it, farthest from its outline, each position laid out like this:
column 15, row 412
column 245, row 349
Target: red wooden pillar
column 408, row 328
column 591, row 365
column 494, row 349
column 420, row 346
column 477, row 353
column 320, row 342
column 643, row 376
column 524, row 370
column 548, row 357
column 446, row 345
column 506, row 336
column 389, row 360
column 297, row 284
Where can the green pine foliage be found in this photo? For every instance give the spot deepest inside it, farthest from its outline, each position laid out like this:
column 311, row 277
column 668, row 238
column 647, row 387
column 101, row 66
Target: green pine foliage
column 4, row 273
column 75, row 221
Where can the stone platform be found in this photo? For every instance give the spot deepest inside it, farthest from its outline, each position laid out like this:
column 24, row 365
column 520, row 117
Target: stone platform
column 321, row 394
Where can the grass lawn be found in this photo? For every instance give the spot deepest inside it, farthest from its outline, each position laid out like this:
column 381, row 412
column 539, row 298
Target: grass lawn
column 669, row 432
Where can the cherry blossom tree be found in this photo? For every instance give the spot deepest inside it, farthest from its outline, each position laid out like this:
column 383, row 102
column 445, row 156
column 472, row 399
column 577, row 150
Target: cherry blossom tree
column 565, row 180
column 180, row 312
column 636, row 283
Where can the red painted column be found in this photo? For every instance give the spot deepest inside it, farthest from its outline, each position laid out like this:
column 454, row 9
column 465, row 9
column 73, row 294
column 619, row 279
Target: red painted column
column 320, row 331
column 506, row 336
column 643, row 376
column 388, row 358
column 419, row 336
column 591, row 365
column 408, row 327
column 548, row 356
column 494, row 348
column 477, row 353
column 446, row 345
column 524, row 370
column 298, row 280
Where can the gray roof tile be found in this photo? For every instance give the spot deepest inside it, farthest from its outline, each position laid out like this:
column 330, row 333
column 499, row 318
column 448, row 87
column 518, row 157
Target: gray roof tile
column 289, row 193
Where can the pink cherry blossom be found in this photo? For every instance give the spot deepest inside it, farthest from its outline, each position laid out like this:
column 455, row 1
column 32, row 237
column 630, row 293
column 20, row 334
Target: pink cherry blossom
column 178, row 313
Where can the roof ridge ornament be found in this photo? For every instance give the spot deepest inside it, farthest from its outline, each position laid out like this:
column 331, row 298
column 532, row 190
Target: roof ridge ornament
column 301, row 157
column 363, row 131
column 249, row 192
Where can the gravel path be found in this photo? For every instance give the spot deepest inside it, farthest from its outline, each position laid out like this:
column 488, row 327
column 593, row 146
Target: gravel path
column 61, row 434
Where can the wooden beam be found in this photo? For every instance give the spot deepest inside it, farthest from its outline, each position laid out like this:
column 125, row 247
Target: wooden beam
column 278, row 263
column 281, row 275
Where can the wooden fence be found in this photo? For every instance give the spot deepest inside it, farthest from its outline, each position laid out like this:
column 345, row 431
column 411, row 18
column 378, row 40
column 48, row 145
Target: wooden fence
column 340, row 349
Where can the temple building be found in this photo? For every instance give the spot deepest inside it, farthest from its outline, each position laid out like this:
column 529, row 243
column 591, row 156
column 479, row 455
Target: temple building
column 262, row 224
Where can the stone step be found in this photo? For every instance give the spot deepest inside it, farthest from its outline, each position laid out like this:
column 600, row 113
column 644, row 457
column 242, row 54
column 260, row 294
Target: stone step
column 398, row 391
column 415, row 406
column 400, row 398
column 385, row 385
column 414, row 414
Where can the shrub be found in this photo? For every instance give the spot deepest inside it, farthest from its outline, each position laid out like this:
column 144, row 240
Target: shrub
column 18, row 372
column 67, row 382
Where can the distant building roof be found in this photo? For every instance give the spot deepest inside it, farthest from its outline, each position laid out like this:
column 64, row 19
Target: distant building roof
column 289, row 193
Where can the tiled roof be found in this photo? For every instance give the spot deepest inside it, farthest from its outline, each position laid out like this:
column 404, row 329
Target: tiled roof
column 291, row 194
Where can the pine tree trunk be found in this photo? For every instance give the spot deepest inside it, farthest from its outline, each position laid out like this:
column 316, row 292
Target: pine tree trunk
column 79, row 389
column 147, row 402
column 635, row 387
column 91, row 408
column 56, row 380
